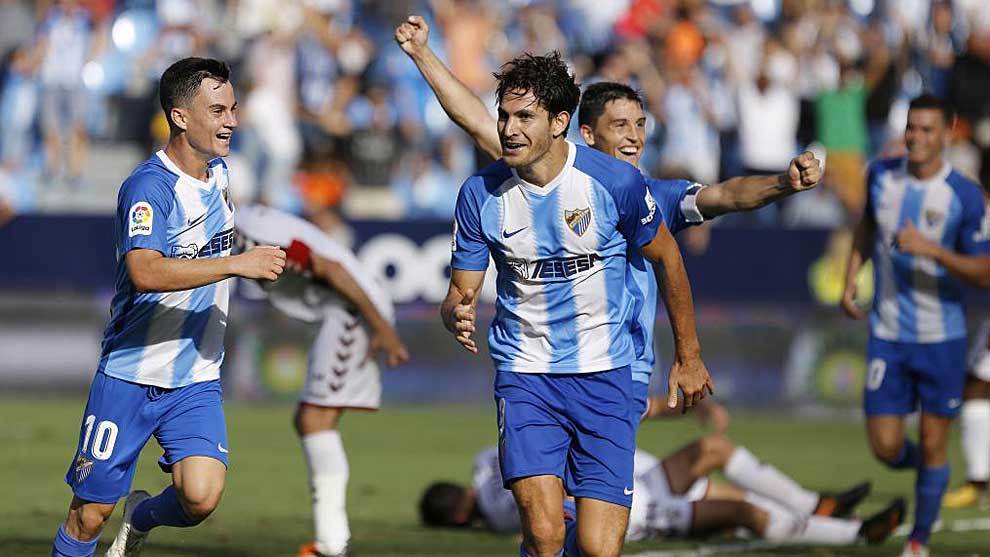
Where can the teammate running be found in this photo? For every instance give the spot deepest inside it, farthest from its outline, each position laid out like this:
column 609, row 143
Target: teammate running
column 927, row 230
column 974, row 422
column 325, row 284
column 159, row 371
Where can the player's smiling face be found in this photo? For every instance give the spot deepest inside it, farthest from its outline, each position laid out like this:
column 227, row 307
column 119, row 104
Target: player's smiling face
column 620, row 131
column 925, row 135
column 211, row 117
column 525, row 128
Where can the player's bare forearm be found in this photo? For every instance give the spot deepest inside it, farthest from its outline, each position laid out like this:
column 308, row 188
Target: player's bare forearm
column 150, row 271
column 743, row 193
column 334, row 274
column 675, row 289
column 971, row 269
column 862, row 246
column 462, row 284
column 462, row 106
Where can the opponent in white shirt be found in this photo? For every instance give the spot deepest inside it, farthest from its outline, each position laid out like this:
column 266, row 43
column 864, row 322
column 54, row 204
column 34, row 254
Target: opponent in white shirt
column 974, row 425
column 326, row 284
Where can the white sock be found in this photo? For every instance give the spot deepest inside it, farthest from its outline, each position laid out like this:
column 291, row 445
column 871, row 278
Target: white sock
column 786, row 527
column 744, row 470
column 975, row 426
column 328, row 471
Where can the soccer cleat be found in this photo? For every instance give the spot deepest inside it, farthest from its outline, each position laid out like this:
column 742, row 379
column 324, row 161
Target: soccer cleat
column 914, row 549
column 309, row 550
column 880, row 526
column 129, row 540
column 963, row 497
column 842, row 503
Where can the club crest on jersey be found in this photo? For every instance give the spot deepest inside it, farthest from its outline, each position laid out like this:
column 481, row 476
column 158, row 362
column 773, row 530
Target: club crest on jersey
column 933, row 218
column 519, row 266
column 578, row 220
column 140, row 219
column 82, row 468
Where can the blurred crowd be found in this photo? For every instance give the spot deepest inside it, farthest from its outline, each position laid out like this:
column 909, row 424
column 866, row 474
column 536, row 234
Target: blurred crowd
column 330, row 108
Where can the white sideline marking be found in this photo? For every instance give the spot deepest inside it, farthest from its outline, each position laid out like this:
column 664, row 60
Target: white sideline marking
column 961, row 525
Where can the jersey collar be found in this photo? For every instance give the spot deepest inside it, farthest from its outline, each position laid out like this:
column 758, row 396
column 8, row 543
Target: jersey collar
column 175, row 169
column 552, row 184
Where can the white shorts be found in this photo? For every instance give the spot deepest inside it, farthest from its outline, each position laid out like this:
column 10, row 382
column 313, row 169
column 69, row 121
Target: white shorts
column 656, row 512
column 979, row 356
column 338, row 374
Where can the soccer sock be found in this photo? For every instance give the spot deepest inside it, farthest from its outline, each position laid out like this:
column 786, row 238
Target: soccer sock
column 909, row 457
column 744, row 470
column 328, row 472
column 163, row 509
column 785, row 526
column 975, row 426
column 928, row 490
column 67, row 546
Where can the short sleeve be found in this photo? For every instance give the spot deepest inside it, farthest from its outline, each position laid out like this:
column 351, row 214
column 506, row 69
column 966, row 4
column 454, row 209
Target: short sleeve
column 469, row 250
column 639, row 215
column 143, row 208
column 974, row 230
column 678, row 200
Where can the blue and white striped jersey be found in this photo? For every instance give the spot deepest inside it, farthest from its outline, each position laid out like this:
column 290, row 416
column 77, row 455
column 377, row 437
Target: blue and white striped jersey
column 678, row 203
column 916, row 299
column 169, row 339
column 563, row 302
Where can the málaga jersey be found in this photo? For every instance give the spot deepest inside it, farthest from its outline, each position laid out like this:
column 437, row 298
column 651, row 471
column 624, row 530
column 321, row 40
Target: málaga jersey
column 563, row 305
column 678, row 203
column 916, row 299
column 169, row 339
column 294, row 294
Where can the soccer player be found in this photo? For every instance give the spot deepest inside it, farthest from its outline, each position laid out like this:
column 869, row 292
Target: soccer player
column 325, row 284
column 926, row 228
column 160, row 365
column 612, row 121
column 974, row 421
column 675, row 498
column 559, row 219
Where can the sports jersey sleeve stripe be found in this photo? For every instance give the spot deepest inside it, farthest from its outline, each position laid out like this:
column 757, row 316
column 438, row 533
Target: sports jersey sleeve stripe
column 974, row 229
column 470, row 250
column 144, row 203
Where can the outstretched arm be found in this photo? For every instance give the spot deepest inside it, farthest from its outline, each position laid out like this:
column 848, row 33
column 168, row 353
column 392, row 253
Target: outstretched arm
column 747, row 193
column 150, row 271
column 463, row 106
column 688, row 373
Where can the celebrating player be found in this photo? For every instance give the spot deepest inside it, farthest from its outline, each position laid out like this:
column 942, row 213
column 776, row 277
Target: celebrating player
column 612, row 121
column 323, row 285
column 926, row 227
column 558, row 219
column 160, row 364
column 674, row 498
column 974, row 421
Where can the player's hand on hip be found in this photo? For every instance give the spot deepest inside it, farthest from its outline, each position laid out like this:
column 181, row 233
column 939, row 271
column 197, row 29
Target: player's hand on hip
column 260, row 262
column 691, row 378
column 804, row 172
column 848, row 303
column 386, row 341
column 464, row 320
column 412, row 34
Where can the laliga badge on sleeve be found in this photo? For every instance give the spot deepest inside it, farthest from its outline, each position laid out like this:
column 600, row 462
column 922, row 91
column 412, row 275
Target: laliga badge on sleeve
column 140, row 219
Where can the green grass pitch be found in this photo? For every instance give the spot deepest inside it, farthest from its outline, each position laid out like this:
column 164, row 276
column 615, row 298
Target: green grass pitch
column 393, row 454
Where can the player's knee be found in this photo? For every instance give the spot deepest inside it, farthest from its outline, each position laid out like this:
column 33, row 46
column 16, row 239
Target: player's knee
column 546, row 534
column 200, row 501
column 88, row 520
column 597, row 544
column 933, row 450
column 886, row 448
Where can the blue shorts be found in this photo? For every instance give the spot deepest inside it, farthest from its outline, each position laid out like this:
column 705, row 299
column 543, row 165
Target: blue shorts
column 578, row 427
column 899, row 375
column 121, row 416
column 641, row 400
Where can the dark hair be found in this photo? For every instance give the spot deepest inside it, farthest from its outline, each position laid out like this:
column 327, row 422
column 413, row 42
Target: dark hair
column 597, row 95
column 440, row 504
column 182, row 79
column 546, row 77
column 928, row 101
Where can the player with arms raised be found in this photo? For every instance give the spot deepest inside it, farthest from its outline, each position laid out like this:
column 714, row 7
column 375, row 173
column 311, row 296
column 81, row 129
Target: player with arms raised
column 559, row 219
column 612, row 121
column 926, row 228
column 159, row 372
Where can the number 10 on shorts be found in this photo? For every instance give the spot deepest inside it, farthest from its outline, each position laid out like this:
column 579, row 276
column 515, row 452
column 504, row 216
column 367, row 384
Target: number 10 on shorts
column 103, row 440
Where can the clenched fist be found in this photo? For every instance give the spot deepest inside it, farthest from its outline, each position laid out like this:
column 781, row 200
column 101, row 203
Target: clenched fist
column 260, row 262
column 412, row 34
column 804, row 172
